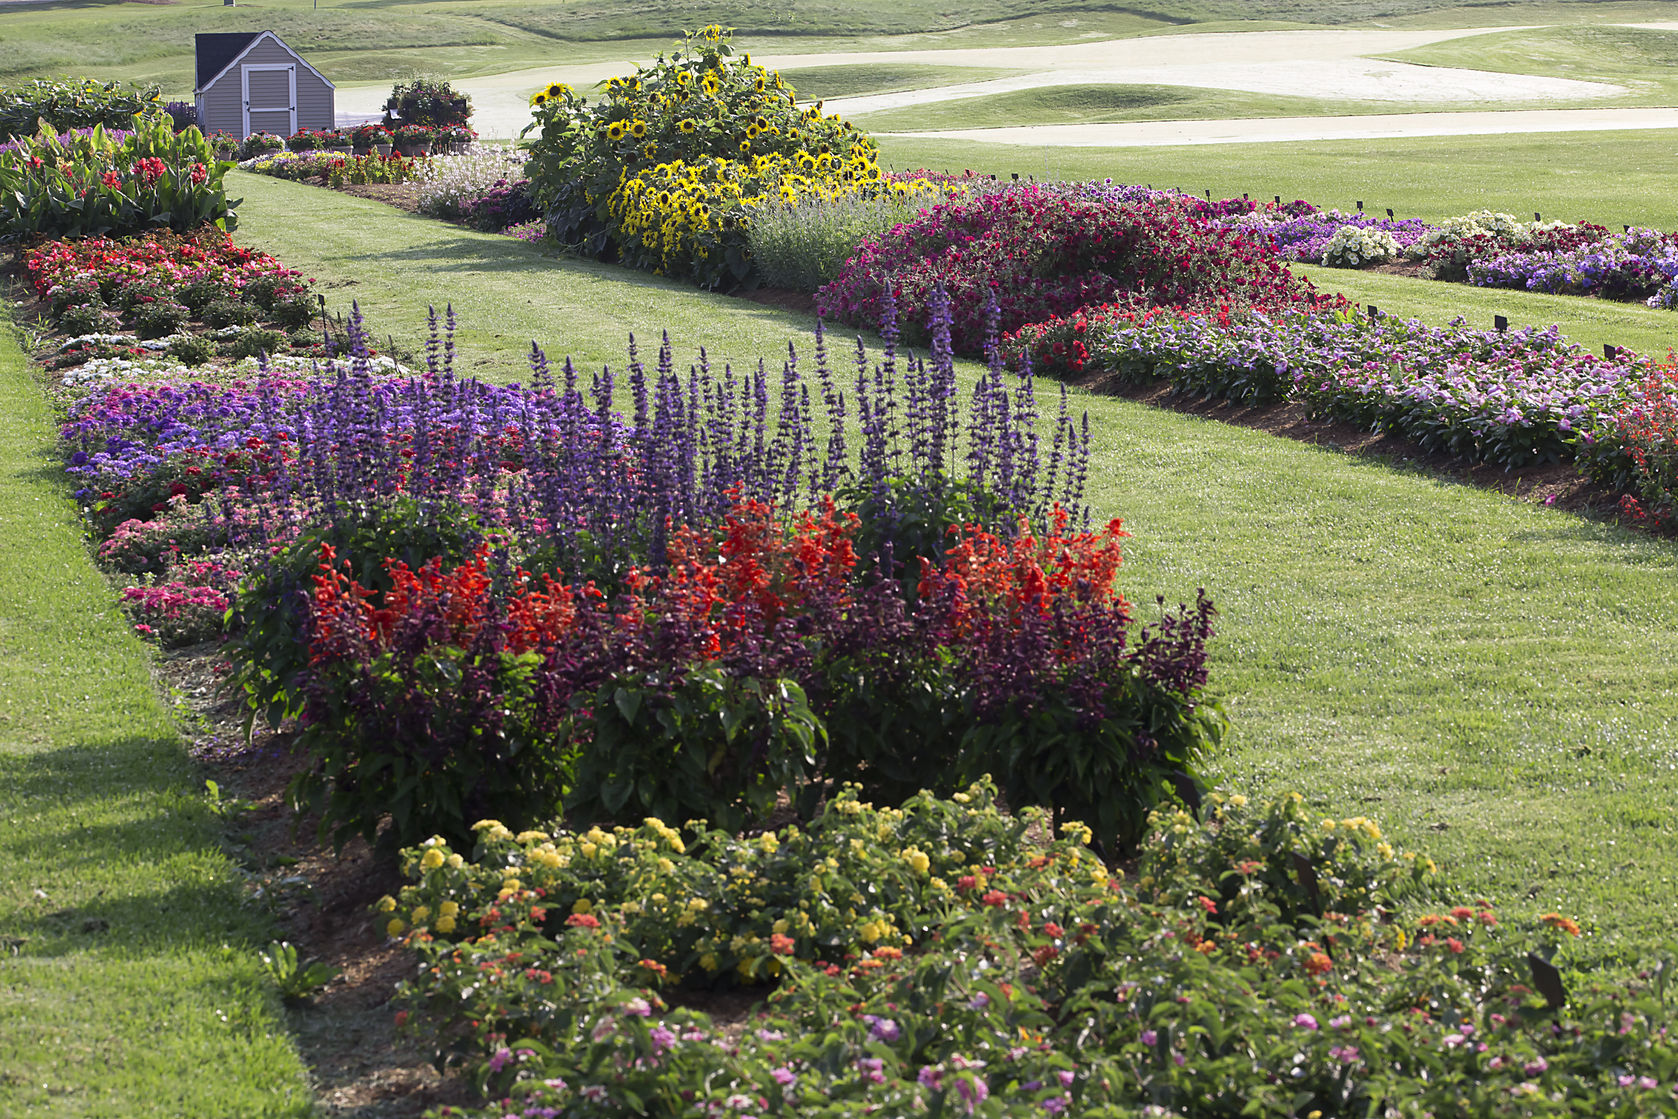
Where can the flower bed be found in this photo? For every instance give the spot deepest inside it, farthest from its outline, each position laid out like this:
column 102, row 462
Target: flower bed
column 934, row 958
column 1037, row 252
column 99, row 184
column 1513, row 398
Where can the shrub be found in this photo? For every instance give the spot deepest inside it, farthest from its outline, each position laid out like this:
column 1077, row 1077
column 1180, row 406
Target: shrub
column 159, row 319
column 228, row 312
column 88, row 318
column 95, row 185
column 698, row 105
column 503, row 205
column 306, row 140
column 255, row 341
column 429, row 103
column 190, row 349
column 74, row 104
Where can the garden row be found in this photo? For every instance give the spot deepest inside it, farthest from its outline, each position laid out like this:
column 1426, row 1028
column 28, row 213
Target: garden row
column 664, row 596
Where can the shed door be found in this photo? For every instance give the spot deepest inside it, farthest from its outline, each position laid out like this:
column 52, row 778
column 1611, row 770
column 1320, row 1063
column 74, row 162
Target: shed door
column 270, row 93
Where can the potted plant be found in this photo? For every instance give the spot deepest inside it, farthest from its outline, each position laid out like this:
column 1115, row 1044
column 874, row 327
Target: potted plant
column 455, row 137
column 259, row 143
column 334, row 140
column 372, row 137
column 412, row 139
column 304, row 140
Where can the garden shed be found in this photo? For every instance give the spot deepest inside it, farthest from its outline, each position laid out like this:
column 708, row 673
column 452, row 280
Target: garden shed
column 252, row 82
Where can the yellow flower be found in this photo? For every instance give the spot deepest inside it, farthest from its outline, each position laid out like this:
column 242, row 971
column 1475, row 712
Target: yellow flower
column 421, row 914
column 557, row 89
column 614, row 131
column 708, row 961
column 445, row 924
column 448, row 909
column 528, row 837
column 395, row 927
column 539, row 99
column 432, row 859
column 589, row 850
column 917, row 860
column 583, row 905
column 1238, row 800
column 685, row 125
column 386, row 904
column 638, row 128
column 768, row 844
column 455, row 862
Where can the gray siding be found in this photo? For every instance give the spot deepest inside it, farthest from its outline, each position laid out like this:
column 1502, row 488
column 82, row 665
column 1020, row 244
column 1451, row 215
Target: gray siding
column 223, row 100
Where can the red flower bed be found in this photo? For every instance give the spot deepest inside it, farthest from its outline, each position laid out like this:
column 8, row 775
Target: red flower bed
column 1035, row 252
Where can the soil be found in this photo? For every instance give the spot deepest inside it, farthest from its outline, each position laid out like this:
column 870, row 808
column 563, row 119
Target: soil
column 359, row 1066
column 404, row 196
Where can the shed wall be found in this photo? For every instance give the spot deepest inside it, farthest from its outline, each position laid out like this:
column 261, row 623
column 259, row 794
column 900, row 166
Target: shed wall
column 223, row 101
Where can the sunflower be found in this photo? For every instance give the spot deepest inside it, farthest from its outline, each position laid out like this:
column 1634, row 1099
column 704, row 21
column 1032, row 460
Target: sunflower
column 557, row 90
column 614, row 131
column 745, row 146
column 539, row 99
column 638, row 129
column 684, row 77
column 752, row 131
column 685, row 125
column 650, row 150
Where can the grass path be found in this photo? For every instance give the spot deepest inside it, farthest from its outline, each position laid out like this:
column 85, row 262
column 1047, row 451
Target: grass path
column 1494, row 682
column 129, row 983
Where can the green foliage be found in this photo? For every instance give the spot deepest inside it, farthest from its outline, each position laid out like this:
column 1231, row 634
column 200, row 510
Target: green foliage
column 701, row 102
column 298, row 982
column 94, row 185
column 228, row 312
column 714, row 746
column 159, row 319
column 67, row 105
column 1275, row 856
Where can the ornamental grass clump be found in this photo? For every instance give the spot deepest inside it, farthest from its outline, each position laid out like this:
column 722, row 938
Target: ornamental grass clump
column 803, row 245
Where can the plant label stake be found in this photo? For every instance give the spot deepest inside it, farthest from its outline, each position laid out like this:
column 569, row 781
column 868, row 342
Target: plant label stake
column 1536, row 216
column 1500, row 323
column 1548, row 980
column 1307, row 875
column 1360, row 205
column 1373, row 312
column 1389, row 211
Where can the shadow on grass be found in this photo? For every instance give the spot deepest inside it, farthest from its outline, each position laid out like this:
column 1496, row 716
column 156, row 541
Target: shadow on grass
column 117, row 818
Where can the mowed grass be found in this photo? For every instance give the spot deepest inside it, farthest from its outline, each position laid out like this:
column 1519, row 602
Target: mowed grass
column 819, row 83
column 1493, row 681
column 129, row 982
column 1613, row 178
column 1101, row 104
column 1641, row 59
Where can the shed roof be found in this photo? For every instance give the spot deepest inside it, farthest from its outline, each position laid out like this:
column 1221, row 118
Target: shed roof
column 218, row 49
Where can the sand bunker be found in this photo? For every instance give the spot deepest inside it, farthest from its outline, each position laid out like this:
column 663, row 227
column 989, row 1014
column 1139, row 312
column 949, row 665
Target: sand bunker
column 1327, row 64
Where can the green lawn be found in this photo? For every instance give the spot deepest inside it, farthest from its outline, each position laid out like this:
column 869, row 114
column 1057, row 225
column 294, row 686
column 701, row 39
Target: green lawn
column 129, row 982
column 1492, row 680
column 1639, row 59
column 1614, row 178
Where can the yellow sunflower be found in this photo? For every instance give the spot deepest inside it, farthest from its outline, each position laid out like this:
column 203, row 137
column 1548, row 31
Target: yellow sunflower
column 638, row 129
column 557, row 89
column 685, row 126
column 614, row 131
column 539, row 99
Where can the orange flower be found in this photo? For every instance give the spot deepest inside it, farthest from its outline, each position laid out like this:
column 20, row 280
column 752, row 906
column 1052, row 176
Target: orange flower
column 1557, row 921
